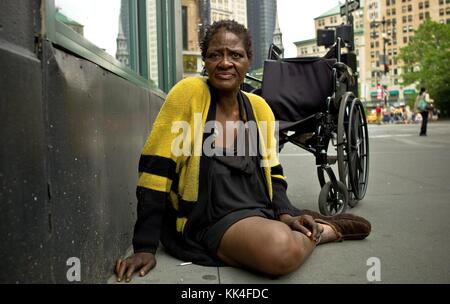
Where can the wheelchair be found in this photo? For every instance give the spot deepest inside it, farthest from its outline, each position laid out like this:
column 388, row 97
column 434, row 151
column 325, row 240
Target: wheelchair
column 313, row 101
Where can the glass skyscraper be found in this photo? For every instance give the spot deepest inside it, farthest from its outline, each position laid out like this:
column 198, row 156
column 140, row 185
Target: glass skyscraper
column 261, row 15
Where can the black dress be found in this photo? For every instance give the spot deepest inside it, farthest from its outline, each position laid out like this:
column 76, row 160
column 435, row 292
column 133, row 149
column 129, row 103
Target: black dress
column 231, row 188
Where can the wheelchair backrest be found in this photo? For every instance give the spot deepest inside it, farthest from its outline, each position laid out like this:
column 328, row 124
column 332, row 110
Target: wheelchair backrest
column 298, row 87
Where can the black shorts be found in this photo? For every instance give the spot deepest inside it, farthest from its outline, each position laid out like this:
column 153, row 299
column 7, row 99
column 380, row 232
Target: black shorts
column 213, row 235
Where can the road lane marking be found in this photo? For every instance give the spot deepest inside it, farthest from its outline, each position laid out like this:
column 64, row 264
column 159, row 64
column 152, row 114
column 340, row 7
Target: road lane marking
column 390, row 135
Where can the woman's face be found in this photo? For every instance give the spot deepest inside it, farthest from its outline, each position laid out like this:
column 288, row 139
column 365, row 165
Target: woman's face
column 226, row 61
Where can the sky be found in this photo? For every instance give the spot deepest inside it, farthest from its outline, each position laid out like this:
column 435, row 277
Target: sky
column 296, row 19
column 100, row 17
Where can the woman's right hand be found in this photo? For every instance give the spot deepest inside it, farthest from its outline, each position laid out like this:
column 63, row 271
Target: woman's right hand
column 141, row 261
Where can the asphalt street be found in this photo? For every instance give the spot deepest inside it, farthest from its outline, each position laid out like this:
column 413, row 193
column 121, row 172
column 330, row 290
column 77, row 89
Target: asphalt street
column 407, row 203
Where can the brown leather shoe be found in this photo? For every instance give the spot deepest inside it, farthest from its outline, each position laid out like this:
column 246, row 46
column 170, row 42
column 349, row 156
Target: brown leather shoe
column 347, row 226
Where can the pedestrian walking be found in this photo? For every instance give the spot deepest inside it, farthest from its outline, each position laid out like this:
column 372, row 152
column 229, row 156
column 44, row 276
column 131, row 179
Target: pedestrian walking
column 423, row 105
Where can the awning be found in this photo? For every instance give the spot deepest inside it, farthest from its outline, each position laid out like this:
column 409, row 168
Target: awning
column 393, row 92
column 409, row 91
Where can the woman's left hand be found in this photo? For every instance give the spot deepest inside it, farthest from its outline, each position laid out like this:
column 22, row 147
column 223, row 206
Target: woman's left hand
column 304, row 224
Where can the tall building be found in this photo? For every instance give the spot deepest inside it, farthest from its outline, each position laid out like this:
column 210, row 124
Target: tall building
column 123, row 37
column 229, row 9
column 261, row 15
column 152, row 41
column 390, row 25
column 196, row 15
column 278, row 36
column 122, row 53
column 332, row 18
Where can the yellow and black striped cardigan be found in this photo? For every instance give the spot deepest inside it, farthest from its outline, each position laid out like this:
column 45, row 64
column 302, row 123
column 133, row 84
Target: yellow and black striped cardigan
column 163, row 174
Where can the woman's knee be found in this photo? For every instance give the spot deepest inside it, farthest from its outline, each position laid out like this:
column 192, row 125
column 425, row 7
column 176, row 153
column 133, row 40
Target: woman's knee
column 284, row 254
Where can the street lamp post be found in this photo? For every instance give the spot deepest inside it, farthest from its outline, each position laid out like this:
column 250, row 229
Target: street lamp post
column 384, row 35
column 374, row 24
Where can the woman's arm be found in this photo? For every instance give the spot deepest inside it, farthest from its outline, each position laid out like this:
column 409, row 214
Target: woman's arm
column 280, row 201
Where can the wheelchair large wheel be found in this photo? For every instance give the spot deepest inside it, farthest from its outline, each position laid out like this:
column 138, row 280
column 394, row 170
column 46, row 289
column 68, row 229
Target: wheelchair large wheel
column 333, row 201
column 358, row 145
column 353, row 147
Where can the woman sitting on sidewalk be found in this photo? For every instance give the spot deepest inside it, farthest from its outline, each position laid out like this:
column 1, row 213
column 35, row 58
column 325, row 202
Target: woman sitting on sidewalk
column 207, row 201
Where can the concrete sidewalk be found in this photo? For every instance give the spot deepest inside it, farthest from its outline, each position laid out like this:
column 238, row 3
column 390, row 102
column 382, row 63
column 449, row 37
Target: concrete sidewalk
column 330, row 263
column 407, row 204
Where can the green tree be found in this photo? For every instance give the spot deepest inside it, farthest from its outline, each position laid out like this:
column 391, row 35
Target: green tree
column 426, row 61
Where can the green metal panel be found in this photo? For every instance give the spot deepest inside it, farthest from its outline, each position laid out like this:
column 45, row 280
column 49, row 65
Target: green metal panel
column 166, row 44
column 143, row 50
column 134, row 46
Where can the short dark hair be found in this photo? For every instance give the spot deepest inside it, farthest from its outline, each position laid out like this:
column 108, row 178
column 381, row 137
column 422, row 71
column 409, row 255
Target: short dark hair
column 230, row 26
column 422, row 89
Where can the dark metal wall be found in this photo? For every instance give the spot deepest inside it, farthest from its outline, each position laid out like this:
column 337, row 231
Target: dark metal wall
column 71, row 134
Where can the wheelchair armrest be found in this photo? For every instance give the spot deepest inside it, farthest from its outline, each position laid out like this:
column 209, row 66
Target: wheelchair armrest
column 345, row 73
column 343, row 68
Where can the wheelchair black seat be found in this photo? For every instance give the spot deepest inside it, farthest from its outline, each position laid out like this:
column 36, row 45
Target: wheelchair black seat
column 297, row 88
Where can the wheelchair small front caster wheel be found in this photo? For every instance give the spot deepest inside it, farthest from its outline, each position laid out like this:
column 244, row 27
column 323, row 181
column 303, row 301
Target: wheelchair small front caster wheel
column 333, row 201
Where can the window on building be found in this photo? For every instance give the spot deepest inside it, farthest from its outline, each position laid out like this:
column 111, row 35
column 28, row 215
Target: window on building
column 405, row 39
column 409, row 7
column 420, row 5
column 441, row 12
column 448, row 11
column 427, row 15
column 410, row 18
column 190, row 63
column 404, row 19
column 441, row 2
column 420, row 16
column 427, row 4
column 393, row 11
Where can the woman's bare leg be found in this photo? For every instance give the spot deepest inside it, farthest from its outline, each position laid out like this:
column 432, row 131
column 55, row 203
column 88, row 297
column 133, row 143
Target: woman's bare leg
column 264, row 245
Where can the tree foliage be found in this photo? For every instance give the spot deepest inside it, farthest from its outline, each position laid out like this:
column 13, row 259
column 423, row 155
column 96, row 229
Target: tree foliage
column 426, row 61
